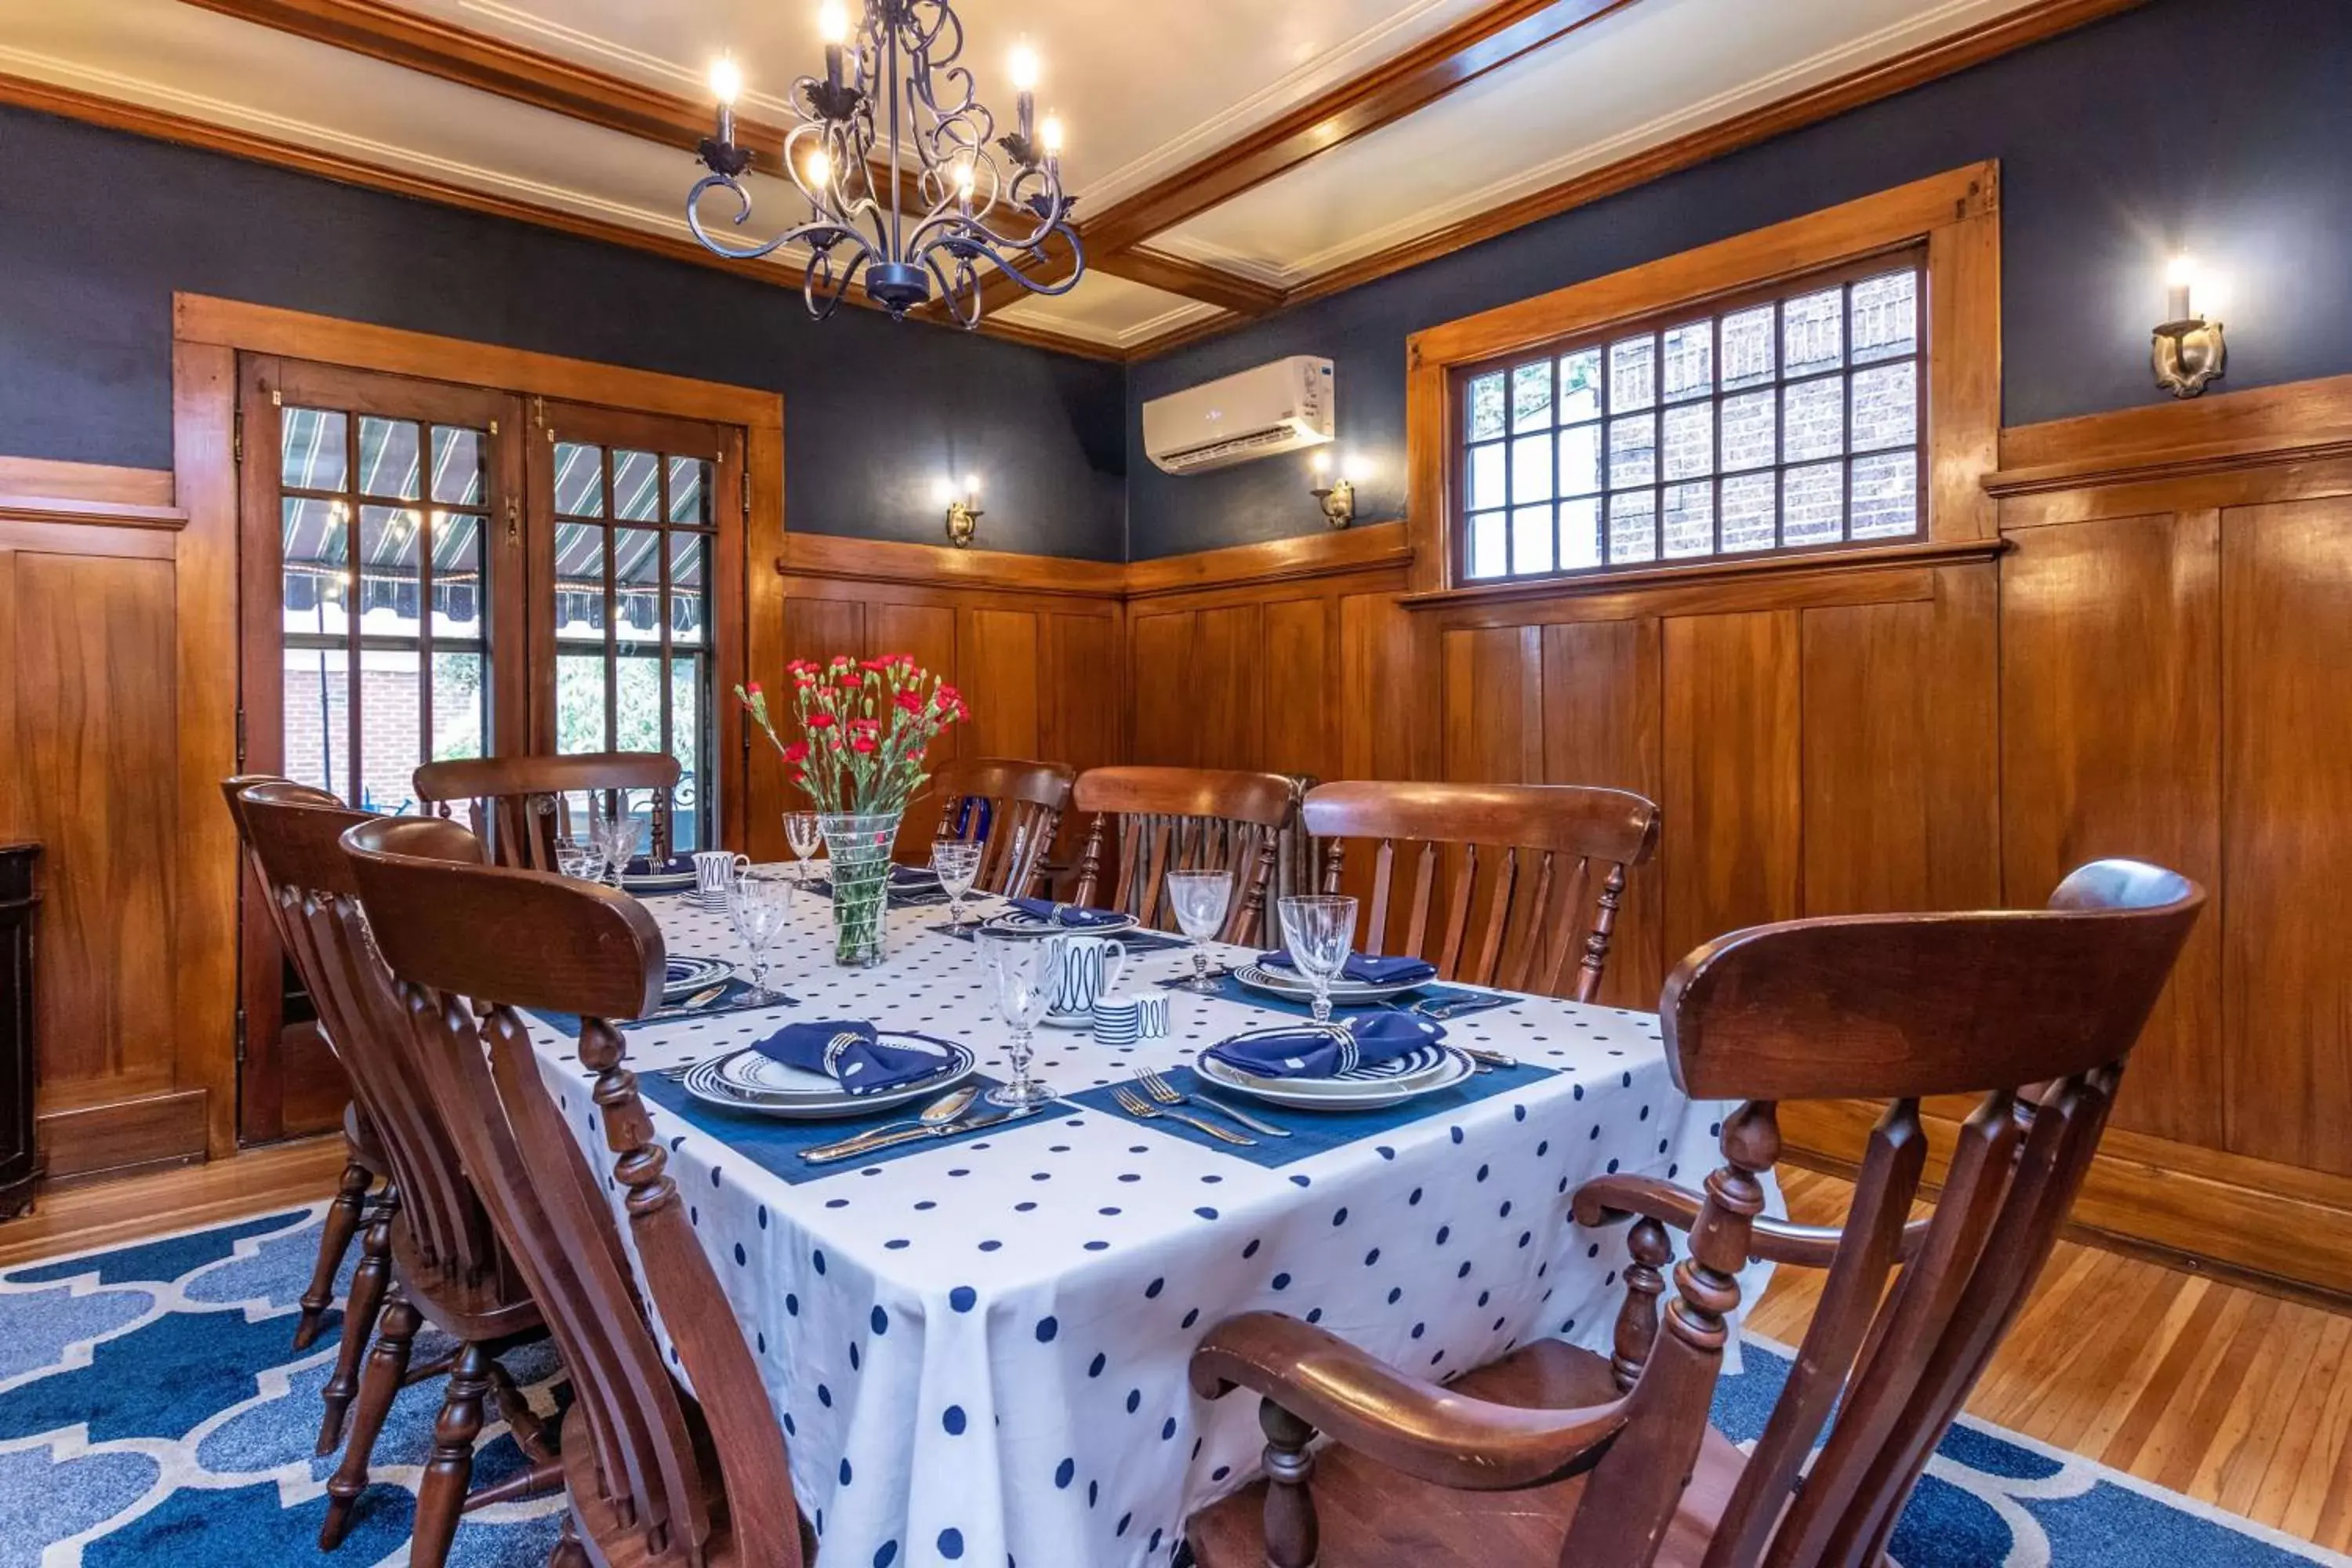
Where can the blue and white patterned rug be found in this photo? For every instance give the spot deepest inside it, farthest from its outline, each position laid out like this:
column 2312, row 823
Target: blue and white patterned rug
column 150, row 1412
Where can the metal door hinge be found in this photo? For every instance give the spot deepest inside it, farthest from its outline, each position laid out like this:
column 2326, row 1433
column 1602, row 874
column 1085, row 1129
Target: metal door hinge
column 514, row 521
column 237, row 437
column 240, row 1034
column 494, row 426
column 275, row 399
column 240, row 737
column 746, row 487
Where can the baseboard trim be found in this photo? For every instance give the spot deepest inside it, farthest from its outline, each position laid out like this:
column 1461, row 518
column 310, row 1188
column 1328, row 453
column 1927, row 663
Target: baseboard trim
column 2276, row 1228
column 122, row 1136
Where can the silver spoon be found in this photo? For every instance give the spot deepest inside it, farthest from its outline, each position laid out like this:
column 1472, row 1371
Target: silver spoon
column 939, row 1113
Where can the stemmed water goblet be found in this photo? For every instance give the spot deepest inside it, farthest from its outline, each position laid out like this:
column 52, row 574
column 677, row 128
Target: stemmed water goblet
column 761, row 905
column 1199, row 899
column 803, row 834
column 1318, row 930
column 957, row 861
column 624, row 836
column 1022, row 968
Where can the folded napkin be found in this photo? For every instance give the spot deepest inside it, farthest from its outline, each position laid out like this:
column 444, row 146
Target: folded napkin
column 1364, row 968
column 1070, row 917
column 847, row 1051
column 913, row 877
column 676, row 866
column 1326, row 1050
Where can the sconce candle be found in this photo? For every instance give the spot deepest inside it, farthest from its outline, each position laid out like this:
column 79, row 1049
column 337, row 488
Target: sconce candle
column 963, row 510
column 2188, row 351
column 1336, row 497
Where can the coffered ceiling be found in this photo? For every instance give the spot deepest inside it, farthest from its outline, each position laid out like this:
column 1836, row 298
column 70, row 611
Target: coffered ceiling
column 1228, row 155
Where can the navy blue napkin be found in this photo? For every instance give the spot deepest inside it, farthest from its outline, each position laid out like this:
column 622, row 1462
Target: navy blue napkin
column 845, row 1050
column 1310, row 1050
column 676, row 866
column 1364, row 968
column 1070, row 917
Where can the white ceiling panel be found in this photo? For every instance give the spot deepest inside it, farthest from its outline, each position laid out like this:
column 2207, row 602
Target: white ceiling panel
column 1141, row 85
column 1107, row 310
column 1636, row 79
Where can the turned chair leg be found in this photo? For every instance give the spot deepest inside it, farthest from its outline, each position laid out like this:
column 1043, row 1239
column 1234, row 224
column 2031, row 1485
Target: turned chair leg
column 1293, row 1536
column 341, row 1224
column 369, row 1282
column 567, row 1552
column 387, row 1371
column 441, row 1493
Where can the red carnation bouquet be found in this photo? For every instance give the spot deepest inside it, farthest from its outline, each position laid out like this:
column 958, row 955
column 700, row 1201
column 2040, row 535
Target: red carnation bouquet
column 866, row 726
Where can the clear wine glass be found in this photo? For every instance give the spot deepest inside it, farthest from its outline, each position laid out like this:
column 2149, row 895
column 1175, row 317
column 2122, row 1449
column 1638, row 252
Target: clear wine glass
column 582, row 862
column 802, row 832
column 1021, row 970
column 625, row 838
column 1319, row 929
column 958, row 862
column 760, row 904
column 1200, row 899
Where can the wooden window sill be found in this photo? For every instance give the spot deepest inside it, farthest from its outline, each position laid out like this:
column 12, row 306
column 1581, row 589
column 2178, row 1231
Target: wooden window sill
column 1934, row 552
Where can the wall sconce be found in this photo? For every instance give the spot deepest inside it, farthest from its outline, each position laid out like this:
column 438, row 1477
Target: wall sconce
column 1336, row 497
column 2188, row 351
column 963, row 510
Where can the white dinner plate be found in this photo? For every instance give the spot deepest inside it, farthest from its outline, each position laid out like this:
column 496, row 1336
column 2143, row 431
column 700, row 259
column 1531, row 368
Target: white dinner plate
column 747, row 1080
column 1293, row 986
column 688, row 974
column 1022, row 923
column 1423, row 1071
column 655, row 883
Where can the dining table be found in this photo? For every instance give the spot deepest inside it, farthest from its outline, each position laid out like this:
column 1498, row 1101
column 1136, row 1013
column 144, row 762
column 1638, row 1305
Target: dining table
column 977, row 1344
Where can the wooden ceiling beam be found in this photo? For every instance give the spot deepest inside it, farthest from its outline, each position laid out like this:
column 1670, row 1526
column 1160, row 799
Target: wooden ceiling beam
column 1192, row 279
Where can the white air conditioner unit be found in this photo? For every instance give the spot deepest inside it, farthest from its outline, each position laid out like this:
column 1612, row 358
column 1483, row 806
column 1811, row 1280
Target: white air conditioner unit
column 1276, row 407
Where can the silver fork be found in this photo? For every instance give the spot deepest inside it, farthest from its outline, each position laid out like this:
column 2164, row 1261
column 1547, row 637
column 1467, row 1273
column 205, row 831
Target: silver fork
column 1167, row 1093
column 1135, row 1107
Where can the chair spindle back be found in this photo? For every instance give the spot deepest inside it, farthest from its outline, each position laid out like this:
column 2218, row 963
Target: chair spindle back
column 1525, row 878
column 1181, row 819
column 520, row 807
column 1014, row 808
column 458, row 934
column 2035, row 1011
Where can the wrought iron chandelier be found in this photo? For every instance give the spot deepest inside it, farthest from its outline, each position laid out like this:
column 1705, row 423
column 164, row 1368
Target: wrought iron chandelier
column 968, row 204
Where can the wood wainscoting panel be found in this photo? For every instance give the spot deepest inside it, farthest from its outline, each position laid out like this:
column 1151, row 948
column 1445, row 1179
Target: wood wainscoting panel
column 1900, row 756
column 997, row 667
column 92, row 662
column 2111, row 713
column 1301, row 697
column 1602, row 721
column 1495, row 704
column 1225, row 687
column 1159, row 652
column 2286, row 826
column 1732, row 774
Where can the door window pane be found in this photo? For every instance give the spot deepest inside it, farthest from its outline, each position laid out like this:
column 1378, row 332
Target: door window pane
column 637, row 486
column 579, row 703
column 689, row 491
column 579, row 479
column 461, row 706
column 388, row 457
column 312, row 451
column 458, row 474
column 688, row 607
column 316, row 697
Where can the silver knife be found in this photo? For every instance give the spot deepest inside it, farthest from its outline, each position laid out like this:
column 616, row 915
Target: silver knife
column 699, row 999
column 857, row 1148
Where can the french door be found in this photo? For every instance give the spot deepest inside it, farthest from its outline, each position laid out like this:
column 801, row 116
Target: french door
column 432, row 571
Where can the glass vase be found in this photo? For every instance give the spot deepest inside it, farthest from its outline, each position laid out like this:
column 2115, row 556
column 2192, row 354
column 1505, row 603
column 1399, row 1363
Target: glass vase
column 858, row 847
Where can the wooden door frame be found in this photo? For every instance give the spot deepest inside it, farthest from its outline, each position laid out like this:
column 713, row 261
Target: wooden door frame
column 207, row 335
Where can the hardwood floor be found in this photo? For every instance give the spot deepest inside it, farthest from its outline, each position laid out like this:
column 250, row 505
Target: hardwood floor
column 2237, row 1398
column 77, row 1219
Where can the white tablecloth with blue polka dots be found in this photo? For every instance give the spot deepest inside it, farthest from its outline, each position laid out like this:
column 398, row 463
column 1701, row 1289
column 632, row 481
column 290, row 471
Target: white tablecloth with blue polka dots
column 978, row 1350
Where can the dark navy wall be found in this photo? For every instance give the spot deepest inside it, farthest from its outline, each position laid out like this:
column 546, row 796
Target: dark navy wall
column 2223, row 126
column 97, row 229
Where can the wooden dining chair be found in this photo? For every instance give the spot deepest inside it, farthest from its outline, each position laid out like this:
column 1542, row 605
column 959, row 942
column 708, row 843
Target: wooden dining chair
column 1013, row 807
column 1533, row 879
column 657, row 1477
column 363, row 1164
column 520, row 807
column 1556, row 1454
column 1180, row 819
column 431, row 1256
